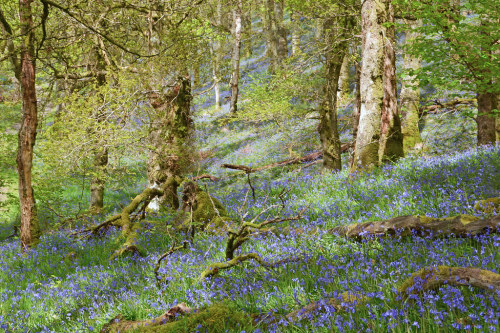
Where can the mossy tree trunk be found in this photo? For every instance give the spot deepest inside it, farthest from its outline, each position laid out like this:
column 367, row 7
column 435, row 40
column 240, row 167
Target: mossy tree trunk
column 170, row 130
column 30, row 229
column 272, row 35
column 281, row 33
column 391, row 138
column 343, row 89
column 410, row 94
column 336, row 35
column 486, row 119
column 295, row 18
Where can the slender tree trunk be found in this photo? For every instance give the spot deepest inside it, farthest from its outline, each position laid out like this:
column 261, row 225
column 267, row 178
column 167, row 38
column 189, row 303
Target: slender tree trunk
column 272, row 38
column 391, row 138
column 236, row 57
column 336, row 31
column 247, row 27
column 281, row 33
column 371, row 85
column 410, row 94
column 295, row 18
column 217, row 58
column 30, row 229
column 357, row 105
column 343, row 90
column 169, row 138
column 486, row 119
column 98, row 181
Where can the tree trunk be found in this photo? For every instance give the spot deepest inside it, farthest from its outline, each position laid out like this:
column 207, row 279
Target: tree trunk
column 170, row 131
column 295, row 18
column 335, row 35
column 357, row 106
column 343, row 90
column 236, row 57
column 486, row 119
column 373, row 15
column 410, row 94
column 100, row 153
column 30, row 229
column 272, row 36
column 281, row 32
column 217, row 58
column 247, row 27
column 391, row 138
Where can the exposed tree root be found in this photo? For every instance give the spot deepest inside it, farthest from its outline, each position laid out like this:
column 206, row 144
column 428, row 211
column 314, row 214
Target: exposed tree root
column 458, row 226
column 430, row 278
column 127, row 223
column 119, row 324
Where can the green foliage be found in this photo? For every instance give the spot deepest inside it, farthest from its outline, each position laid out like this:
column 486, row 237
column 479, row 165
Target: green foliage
column 458, row 43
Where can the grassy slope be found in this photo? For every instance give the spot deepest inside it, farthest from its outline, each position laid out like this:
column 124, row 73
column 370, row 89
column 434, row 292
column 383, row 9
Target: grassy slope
column 53, row 290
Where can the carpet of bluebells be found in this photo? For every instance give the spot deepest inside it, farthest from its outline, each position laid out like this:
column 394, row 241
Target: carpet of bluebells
column 68, row 285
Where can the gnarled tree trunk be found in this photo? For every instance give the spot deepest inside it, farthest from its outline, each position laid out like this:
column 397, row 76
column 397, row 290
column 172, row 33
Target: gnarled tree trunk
column 170, row 130
column 30, row 229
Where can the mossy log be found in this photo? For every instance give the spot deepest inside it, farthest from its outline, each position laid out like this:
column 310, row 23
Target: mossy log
column 431, row 278
column 119, row 324
column 458, row 226
column 488, row 205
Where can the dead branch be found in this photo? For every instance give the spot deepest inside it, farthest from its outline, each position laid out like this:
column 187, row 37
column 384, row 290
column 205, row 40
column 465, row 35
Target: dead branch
column 298, row 160
column 458, row 226
column 205, row 176
column 165, row 255
column 437, row 106
column 432, row 278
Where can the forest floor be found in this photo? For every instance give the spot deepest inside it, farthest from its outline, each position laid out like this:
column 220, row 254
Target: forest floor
column 69, row 285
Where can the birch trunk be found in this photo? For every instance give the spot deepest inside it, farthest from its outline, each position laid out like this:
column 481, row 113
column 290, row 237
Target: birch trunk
column 236, row 57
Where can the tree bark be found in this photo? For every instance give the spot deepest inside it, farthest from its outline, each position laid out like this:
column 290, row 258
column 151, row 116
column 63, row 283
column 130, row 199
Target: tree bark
column 335, row 30
column 410, row 94
column 343, row 90
column 391, row 138
column 272, row 35
column 236, row 57
column 486, row 119
column 402, row 226
column 30, row 229
column 357, row 106
column 281, row 33
column 98, row 181
column 170, row 131
column 366, row 153
column 295, row 18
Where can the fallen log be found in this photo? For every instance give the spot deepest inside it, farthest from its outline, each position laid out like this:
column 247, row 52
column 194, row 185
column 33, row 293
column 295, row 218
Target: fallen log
column 119, row 324
column 432, row 278
column 458, row 226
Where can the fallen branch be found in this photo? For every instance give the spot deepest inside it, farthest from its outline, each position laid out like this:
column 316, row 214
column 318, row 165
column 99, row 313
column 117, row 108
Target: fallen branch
column 458, row 226
column 166, row 255
column 438, row 106
column 119, row 324
column 298, row 160
column 431, row 278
